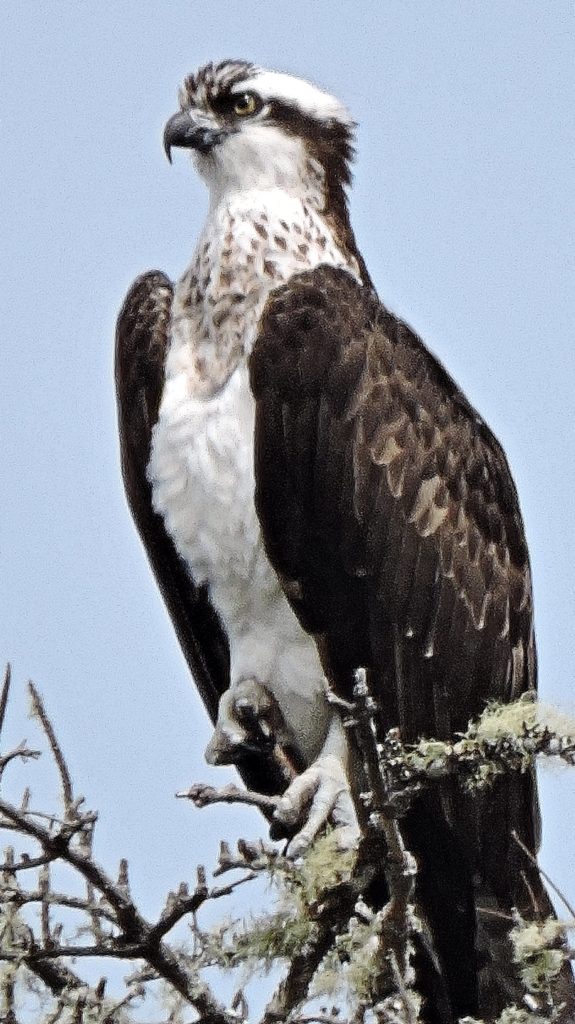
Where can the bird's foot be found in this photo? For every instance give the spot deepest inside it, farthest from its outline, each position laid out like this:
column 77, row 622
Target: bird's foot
column 249, row 722
column 320, row 795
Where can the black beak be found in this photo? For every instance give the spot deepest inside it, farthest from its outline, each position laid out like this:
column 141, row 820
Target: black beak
column 182, row 130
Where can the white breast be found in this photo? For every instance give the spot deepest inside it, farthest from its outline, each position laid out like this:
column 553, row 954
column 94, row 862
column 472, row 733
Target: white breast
column 201, row 466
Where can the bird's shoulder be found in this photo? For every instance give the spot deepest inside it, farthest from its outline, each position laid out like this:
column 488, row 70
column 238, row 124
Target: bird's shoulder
column 326, row 338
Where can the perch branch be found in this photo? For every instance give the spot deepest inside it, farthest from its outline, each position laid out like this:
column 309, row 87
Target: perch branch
column 202, row 795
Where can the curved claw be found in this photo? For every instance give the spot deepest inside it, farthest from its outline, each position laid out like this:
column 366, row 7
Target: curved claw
column 318, row 796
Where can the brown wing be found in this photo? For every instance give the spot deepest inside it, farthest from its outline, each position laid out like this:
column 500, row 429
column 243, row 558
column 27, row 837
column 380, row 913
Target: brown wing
column 401, row 527
column 389, row 512
column 141, row 338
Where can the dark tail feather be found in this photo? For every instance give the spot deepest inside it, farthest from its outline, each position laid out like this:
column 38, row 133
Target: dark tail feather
column 473, row 878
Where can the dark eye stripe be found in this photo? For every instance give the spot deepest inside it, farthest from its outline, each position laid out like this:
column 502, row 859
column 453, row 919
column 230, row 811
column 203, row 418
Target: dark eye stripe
column 224, row 103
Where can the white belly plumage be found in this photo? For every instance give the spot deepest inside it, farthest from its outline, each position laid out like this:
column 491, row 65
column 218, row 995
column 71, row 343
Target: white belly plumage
column 201, row 465
column 203, row 485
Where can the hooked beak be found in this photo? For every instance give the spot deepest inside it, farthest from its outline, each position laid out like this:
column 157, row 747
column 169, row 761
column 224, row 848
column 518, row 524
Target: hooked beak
column 181, row 130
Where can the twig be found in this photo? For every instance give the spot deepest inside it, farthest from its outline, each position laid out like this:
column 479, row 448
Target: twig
column 55, row 976
column 87, row 817
column 330, row 918
column 137, row 939
column 202, row 795
column 257, row 857
column 85, row 846
column 184, row 902
column 114, row 948
column 400, row 866
column 5, row 694
column 40, row 712
column 20, row 898
column 404, row 994
column 21, row 751
column 318, row 1018
column 44, row 894
column 549, row 880
column 7, row 993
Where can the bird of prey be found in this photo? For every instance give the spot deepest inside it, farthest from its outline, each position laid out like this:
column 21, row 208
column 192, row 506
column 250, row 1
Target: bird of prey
column 316, row 494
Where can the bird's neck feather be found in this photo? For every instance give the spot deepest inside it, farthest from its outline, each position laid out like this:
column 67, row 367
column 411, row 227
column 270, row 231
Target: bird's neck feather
column 269, row 161
column 254, row 240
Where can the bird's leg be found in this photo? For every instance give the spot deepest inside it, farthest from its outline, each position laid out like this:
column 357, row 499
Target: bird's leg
column 320, row 796
column 250, row 722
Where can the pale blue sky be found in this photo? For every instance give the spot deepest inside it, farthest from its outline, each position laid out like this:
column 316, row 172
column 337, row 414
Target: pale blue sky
column 463, row 206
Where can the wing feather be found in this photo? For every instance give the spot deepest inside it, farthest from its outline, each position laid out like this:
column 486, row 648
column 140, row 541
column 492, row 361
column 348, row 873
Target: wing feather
column 411, row 492
column 403, row 536
column 141, row 340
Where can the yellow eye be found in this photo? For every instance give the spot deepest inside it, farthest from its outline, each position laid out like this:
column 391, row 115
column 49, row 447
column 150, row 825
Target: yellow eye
column 245, row 105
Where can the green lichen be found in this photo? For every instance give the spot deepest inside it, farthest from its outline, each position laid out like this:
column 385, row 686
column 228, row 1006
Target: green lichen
column 538, row 949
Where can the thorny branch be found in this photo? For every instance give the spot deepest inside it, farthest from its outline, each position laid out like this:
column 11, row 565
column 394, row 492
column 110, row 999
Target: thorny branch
column 4, row 694
column 39, row 711
column 202, row 795
column 329, row 907
column 490, row 747
column 397, row 920
column 117, row 928
column 128, row 934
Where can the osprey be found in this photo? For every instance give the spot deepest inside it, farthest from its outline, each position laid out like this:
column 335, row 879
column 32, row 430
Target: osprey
column 316, row 494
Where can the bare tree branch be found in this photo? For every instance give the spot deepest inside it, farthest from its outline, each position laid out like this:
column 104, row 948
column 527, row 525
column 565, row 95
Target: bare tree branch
column 40, row 713
column 21, row 752
column 335, row 913
column 549, row 880
column 4, row 694
column 202, row 795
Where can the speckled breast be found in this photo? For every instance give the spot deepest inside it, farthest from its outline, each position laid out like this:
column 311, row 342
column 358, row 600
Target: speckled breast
column 201, row 467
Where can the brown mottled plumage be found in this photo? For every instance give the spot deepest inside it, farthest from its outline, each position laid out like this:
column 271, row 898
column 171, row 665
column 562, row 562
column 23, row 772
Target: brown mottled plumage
column 426, row 523
column 389, row 512
column 386, row 508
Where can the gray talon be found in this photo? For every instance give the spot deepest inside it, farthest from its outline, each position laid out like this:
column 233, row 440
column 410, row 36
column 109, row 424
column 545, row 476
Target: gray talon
column 320, row 795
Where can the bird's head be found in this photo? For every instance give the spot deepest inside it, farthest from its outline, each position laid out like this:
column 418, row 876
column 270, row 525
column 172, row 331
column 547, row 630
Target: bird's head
column 254, row 129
